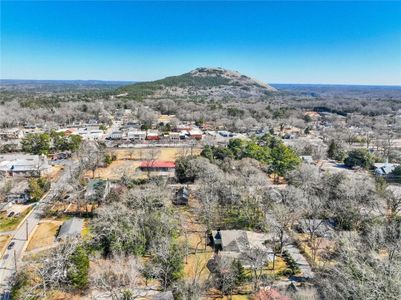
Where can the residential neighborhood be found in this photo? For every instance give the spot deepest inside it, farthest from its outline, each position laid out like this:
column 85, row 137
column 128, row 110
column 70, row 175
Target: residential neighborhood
column 200, row 150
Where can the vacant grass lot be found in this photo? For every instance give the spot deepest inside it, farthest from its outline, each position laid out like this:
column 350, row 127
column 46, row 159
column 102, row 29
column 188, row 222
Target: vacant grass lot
column 162, row 153
column 44, row 235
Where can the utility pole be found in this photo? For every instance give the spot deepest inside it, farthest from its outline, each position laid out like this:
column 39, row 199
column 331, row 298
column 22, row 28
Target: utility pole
column 26, row 229
column 15, row 260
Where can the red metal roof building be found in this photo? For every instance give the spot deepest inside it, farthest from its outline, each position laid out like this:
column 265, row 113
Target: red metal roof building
column 157, row 165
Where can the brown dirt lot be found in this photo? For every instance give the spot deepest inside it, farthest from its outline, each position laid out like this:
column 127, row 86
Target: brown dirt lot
column 44, row 235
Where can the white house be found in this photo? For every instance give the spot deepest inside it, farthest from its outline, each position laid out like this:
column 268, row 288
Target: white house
column 136, row 135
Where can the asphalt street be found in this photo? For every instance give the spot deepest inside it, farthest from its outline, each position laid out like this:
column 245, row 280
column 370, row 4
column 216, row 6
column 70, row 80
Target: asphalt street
column 11, row 259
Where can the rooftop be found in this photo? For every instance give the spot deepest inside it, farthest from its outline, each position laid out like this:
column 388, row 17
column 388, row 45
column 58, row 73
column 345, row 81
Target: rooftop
column 157, row 164
column 71, row 227
column 23, row 162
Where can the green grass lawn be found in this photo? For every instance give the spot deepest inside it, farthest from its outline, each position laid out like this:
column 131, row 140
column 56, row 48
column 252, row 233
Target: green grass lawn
column 8, row 224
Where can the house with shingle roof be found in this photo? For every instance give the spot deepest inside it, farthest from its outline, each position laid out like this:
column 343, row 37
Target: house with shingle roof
column 70, row 228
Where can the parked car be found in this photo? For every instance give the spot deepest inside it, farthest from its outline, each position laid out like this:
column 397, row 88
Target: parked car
column 11, row 245
column 11, row 214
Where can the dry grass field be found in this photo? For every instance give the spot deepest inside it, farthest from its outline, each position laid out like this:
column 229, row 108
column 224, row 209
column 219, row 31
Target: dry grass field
column 128, row 160
column 44, row 235
column 117, row 169
column 162, row 153
column 4, row 240
column 194, row 233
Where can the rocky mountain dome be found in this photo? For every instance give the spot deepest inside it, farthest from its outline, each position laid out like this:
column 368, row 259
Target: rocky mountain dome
column 206, row 83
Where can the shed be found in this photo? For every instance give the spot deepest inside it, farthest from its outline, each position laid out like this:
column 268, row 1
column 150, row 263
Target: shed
column 70, row 228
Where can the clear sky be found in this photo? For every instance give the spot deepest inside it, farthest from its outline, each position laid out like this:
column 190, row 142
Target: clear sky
column 277, row 42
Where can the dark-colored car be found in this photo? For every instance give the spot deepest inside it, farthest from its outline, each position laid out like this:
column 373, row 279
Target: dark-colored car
column 11, row 214
column 11, row 245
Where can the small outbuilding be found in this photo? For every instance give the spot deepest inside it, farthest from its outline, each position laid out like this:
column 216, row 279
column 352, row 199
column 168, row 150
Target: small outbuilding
column 70, row 228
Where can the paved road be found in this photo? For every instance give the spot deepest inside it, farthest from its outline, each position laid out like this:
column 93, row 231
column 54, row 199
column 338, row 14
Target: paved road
column 11, row 258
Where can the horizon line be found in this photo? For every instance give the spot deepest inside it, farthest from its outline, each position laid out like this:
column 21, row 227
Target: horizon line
column 270, row 83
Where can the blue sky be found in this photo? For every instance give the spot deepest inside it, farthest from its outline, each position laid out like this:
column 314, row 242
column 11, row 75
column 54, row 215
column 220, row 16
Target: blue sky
column 277, row 42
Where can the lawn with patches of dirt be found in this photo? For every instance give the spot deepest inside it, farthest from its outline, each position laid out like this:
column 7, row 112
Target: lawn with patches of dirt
column 128, row 161
column 44, row 235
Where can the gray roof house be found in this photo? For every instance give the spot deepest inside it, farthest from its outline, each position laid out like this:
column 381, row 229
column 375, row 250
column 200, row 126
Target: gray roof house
column 24, row 165
column 19, row 192
column 97, row 190
column 383, row 169
column 70, row 228
column 236, row 244
column 322, row 228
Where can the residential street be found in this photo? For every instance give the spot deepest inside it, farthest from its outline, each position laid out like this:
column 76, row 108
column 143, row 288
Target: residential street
column 11, row 258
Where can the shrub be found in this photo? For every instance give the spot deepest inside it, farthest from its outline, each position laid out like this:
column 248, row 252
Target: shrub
column 78, row 273
column 359, row 158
